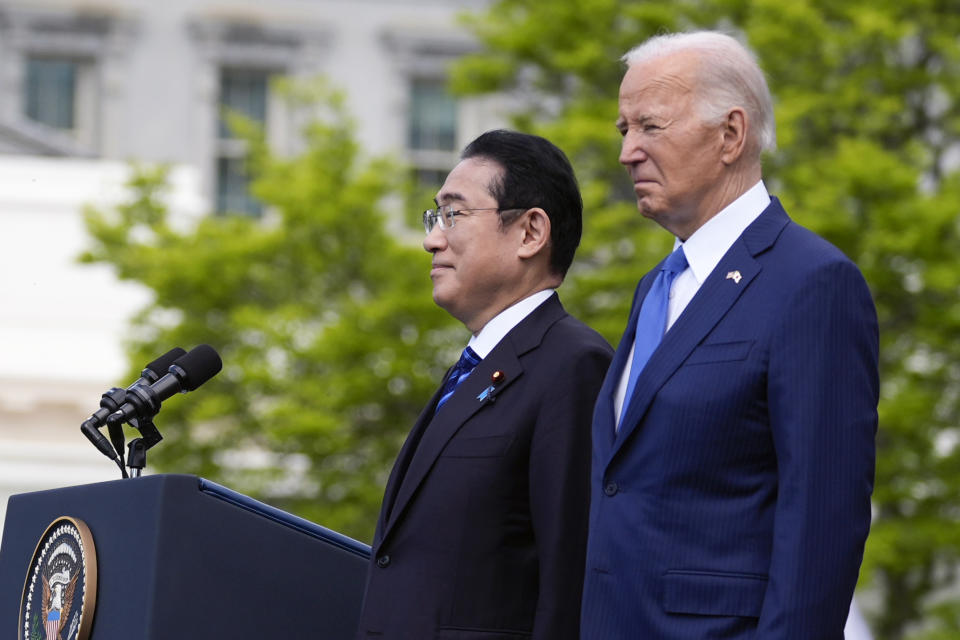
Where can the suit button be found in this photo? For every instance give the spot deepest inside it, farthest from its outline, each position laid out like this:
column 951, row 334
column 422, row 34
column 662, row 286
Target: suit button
column 611, row 488
column 383, row 561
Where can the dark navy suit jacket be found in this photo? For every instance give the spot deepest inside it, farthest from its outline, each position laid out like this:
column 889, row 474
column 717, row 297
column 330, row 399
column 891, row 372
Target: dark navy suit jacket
column 735, row 500
column 482, row 532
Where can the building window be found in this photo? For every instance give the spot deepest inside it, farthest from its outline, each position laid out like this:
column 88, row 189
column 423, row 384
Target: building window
column 242, row 91
column 54, row 63
column 51, row 90
column 431, row 133
column 433, row 116
column 233, row 188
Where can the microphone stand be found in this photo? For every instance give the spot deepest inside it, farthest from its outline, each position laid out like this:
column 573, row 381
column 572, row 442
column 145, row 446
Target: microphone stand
column 137, row 448
column 137, row 457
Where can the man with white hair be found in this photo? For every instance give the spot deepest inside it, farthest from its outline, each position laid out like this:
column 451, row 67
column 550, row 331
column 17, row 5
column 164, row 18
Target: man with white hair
column 734, row 435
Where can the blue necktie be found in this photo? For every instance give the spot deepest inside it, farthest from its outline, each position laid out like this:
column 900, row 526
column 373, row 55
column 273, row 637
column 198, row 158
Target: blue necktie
column 468, row 360
column 652, row 321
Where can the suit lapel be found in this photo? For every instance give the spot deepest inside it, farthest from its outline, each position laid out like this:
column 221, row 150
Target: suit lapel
column 603, row 414
column 714, row 299
column 401, row 466
column 464, row 402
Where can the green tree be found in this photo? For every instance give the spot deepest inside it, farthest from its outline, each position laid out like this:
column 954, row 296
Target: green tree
column 868, row 111
column 324, row 320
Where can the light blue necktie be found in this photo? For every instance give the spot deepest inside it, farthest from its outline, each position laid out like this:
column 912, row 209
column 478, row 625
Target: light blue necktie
column 652, row 320
column 468, row 360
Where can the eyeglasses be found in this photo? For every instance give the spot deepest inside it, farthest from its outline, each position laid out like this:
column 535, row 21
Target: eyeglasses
column 445, row 215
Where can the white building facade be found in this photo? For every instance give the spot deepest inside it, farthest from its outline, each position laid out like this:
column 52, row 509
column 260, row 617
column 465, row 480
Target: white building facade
column 86, row 88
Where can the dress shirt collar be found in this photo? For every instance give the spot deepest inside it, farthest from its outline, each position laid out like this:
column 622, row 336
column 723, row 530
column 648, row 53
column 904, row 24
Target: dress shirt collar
column 501, row 324
column 708, row 243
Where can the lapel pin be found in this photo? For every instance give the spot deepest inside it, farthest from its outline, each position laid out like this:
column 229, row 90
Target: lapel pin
column 734, row 275
column 496, row 378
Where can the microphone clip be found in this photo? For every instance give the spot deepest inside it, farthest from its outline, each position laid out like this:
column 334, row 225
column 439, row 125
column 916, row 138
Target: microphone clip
column 137, row 448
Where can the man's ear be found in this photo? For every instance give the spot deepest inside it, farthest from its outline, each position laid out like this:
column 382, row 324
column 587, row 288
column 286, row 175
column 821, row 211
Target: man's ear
column 734, row 135
column 535, row 233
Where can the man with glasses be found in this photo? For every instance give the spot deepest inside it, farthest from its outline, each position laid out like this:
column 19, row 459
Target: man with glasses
column 483, row 525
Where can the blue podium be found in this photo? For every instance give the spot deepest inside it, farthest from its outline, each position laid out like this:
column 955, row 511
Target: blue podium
column 179, row 557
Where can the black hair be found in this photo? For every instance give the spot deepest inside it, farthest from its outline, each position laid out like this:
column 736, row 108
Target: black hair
column 536, row 173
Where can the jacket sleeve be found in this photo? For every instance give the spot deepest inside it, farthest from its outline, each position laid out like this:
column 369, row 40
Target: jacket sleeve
column 822, row 393
column 559, row 485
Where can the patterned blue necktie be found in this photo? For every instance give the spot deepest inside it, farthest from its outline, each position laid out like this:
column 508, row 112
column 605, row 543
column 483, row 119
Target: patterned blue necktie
column 468, row 360
column 652, row 321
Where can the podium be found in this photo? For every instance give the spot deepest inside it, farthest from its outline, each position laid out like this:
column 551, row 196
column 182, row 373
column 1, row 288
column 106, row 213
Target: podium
column 181, row 557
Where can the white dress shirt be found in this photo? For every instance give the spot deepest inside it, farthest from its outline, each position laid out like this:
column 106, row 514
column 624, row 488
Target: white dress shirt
column 703, row 250
column 501, row 324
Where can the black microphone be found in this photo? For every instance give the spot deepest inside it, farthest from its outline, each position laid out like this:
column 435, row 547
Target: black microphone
column 185, row 374
column 115, row 397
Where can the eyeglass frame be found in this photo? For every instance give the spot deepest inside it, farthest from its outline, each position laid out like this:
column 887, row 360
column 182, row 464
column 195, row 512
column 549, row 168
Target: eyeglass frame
column 445, row 215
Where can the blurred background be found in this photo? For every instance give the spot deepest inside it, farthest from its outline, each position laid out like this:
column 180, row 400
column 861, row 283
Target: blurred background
column 251, row 175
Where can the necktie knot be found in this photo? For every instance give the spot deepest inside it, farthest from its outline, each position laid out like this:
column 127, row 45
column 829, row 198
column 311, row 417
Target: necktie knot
column 675, row 263
column 465, row 365
column 468, row 360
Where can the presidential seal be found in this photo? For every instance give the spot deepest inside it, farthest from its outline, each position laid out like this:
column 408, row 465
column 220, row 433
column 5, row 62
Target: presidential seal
column 60, row 592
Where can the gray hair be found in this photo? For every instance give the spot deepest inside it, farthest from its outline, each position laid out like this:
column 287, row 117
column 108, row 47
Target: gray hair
column 728, row 76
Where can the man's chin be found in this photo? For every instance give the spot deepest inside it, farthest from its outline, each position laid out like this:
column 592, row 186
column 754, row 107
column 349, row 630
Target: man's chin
column 647, row 209
column 440, row 300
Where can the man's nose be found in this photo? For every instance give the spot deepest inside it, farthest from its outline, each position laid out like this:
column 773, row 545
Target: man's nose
column 631, row 150
column 435, row 240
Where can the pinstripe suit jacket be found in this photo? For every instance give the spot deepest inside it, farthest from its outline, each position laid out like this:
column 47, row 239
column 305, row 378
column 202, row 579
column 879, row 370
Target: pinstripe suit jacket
column 735, row 500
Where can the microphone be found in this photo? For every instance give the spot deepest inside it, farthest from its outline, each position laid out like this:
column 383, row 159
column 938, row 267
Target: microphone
column 187, row 372
column 115, row 397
